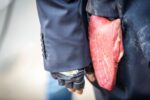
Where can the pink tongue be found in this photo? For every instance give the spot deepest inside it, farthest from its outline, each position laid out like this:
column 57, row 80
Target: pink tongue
column 106, row 47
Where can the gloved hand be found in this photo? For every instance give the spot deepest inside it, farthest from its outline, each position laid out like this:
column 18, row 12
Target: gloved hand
column 72, row 80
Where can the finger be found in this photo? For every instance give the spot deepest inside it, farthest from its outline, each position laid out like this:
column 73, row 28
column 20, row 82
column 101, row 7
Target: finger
column 68, row 84
column 61, row 82
column 91, row 77
column 79, row 91
column 79, row 84
column 71, row 89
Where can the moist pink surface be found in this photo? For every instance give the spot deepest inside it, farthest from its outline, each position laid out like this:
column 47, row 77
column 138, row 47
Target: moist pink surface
column 106, row 47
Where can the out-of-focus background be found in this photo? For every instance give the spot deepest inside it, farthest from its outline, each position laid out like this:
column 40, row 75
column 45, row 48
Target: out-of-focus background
column 22, row 75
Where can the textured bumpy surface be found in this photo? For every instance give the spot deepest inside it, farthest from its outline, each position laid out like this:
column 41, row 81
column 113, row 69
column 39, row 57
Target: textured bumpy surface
column 106, row 49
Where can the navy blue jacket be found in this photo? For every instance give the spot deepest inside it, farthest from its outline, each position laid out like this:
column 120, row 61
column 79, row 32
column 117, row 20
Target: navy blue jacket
column 66, row 45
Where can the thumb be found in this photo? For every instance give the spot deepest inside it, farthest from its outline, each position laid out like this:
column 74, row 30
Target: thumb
column 90, row 73
column 91, row 77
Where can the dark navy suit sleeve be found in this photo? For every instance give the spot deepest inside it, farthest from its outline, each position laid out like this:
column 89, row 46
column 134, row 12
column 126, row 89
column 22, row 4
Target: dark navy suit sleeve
column 65, row 45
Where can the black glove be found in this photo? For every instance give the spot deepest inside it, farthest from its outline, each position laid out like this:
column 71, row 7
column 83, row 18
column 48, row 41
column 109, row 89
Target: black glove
column 75, row 81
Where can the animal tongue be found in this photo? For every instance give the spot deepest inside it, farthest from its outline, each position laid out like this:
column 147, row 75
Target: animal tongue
column 106, row 48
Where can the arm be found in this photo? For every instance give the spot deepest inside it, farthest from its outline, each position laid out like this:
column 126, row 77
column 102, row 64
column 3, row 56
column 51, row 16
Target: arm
column 65, row 45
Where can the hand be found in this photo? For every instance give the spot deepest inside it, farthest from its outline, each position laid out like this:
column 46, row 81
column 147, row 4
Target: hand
column 90, row 75
column 73, row 82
